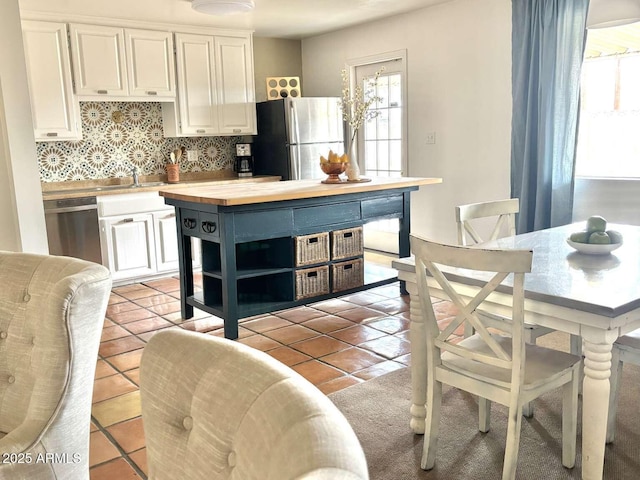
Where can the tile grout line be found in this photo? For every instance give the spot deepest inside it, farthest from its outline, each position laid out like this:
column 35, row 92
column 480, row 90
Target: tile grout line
column 123, row 454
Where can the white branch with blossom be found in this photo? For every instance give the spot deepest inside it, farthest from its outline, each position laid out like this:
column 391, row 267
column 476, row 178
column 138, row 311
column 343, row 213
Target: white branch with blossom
column 356, row 108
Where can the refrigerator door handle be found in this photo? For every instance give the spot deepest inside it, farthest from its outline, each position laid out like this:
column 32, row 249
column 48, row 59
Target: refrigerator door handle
column 295, row 125
column 296, row 167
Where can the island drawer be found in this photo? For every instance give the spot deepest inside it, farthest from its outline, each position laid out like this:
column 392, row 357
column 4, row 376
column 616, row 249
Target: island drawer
column 312, row 282
column 332, row 214
column 199, row 224
column 346, row 275
column 312, row 249
column 346, row 243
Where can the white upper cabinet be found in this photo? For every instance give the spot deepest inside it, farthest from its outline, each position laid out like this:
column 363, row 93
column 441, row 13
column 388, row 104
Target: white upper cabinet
column 54, row 108
column 99, row 65
column 150, row 67
column 125, row 63
column 197, row 99
column 216, row 92
column 236, row 92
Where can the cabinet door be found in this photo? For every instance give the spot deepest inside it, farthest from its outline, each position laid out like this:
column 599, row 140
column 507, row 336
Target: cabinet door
column 99, row 65
column 150, row 65
column 196, row 85
column 166, row 238
column 236, row 89
column 54, row 108
column 128, row 245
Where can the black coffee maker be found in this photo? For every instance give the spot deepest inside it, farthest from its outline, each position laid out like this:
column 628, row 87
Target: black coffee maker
column 244, row 160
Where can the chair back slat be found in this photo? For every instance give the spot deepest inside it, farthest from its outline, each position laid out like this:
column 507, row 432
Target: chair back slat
column 429, row 258
column 504, row 210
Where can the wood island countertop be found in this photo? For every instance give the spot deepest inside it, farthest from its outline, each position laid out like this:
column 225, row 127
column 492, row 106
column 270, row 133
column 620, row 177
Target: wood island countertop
column 238, row 194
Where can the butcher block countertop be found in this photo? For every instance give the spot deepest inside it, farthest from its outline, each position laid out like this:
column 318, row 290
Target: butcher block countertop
column 238, row 194
column 119, row 186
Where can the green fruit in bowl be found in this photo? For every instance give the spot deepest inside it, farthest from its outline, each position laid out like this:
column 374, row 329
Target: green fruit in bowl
column 600, row 238
column 596, row 224
column 580, row 237
column 614, row 236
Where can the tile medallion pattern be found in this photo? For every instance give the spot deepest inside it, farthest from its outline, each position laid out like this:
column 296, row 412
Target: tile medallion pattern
column 117, row 136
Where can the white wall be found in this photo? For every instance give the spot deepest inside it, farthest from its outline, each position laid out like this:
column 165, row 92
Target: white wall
column 22, row 226
column 459, row 86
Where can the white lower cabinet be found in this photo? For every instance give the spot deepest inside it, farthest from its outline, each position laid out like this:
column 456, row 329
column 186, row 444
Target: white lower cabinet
column 166, row 240
column 138, row 236
column 128, row 245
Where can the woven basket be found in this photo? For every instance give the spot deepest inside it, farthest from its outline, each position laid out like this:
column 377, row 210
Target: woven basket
column 346, row 275
column 311, row 282
column 312, row 249
column 346, row 243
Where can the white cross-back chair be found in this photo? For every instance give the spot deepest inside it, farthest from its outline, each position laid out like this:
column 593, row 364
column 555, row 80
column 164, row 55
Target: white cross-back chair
column 625, row 350
column 505, row 225
column 495, row 363
column 504, row 210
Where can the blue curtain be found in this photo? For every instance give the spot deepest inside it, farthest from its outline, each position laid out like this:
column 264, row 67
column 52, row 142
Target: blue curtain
column 548, row 38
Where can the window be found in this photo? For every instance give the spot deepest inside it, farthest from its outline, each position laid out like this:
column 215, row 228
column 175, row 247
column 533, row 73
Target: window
column 383, row 134
column 609, row 130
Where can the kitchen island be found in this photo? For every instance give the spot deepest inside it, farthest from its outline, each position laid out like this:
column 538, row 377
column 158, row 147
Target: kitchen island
column 276, row 245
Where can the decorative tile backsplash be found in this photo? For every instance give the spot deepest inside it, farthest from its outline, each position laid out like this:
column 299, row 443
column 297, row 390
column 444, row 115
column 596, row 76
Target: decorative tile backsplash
column 117, row 136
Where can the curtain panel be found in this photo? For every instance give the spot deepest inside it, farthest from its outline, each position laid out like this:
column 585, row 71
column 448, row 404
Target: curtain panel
column 548, row 38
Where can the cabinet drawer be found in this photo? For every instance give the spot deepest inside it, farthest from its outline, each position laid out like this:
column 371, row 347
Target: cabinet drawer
column 199, row 224
column 380, row 207
column 189, row 222
column 208, row 225
column 326, row 215
column 263, row 224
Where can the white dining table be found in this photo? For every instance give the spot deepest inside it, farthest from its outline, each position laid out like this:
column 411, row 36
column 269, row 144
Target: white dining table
column 594, row 296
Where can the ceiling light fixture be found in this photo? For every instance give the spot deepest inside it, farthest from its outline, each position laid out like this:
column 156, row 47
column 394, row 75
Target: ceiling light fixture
column 222, row 7
column 612, row 13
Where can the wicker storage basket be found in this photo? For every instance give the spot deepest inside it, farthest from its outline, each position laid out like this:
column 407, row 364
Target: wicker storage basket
column 346, row 275
column 312, row 249
column 311, row 282
column 346, row 243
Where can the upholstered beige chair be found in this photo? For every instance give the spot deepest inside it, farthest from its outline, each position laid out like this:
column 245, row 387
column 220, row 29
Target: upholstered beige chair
column 217, row 409
column 51, row 316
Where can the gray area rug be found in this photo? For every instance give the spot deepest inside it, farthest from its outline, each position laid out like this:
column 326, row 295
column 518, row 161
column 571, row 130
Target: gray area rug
column 378, row 411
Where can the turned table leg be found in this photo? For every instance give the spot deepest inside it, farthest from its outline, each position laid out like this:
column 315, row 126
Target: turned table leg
column 595, row 399
column 418, row 361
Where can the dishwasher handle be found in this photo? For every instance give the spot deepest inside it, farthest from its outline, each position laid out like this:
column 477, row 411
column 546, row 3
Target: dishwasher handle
column 70, row 205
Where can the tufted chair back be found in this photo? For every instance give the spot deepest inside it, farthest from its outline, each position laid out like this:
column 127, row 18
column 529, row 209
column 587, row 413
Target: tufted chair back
column 51, row 317
column 217, row 409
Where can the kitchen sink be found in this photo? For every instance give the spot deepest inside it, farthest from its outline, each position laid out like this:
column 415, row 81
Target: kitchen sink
column 102, row 188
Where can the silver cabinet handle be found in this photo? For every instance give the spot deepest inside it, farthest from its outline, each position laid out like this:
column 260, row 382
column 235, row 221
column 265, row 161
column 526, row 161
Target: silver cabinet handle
column 237, row 130
column 102, row 92
column 52, row 134
column 200, row 131
column 127, row 220
column 151, row 92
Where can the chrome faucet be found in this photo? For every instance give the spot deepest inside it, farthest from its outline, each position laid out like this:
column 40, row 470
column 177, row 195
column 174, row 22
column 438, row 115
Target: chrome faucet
column 134, row 173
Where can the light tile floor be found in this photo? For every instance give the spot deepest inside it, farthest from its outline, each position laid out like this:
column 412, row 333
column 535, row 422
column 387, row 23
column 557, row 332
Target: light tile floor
column 334, row 344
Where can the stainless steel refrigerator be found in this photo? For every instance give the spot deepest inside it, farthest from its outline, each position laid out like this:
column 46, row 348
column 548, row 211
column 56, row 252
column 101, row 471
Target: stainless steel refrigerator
column 294, row 132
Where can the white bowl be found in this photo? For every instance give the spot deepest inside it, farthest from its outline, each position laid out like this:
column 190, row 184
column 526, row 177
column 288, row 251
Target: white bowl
column 594, row 248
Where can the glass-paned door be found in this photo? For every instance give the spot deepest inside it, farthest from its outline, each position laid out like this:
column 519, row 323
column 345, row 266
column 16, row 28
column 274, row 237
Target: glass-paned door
column 381, row 143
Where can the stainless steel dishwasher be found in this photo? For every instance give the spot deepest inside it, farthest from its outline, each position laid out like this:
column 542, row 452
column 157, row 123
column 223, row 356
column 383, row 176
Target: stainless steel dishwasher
column 72, row 228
